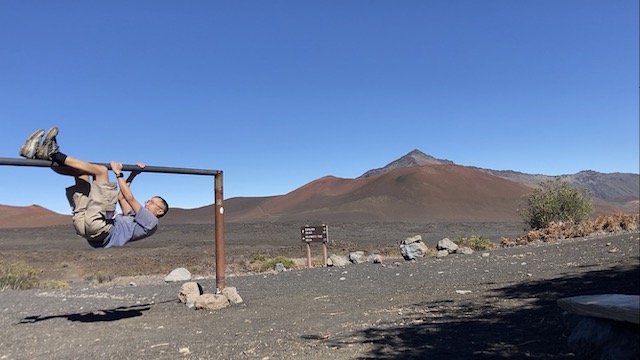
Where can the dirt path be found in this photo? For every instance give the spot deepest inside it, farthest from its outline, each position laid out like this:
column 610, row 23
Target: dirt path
column 458, row 307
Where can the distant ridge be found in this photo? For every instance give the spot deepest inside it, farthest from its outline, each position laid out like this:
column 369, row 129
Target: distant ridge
column 619, row 190
column 414, row 158
column 414, row 188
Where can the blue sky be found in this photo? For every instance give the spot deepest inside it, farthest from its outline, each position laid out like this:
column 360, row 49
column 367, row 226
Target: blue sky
column 279, row 93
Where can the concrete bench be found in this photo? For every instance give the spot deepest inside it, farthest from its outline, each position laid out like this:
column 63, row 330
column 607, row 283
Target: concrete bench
column 616, row 307
column 603, row 326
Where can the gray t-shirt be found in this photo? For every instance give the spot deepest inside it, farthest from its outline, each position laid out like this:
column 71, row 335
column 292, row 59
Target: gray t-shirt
column 131, row 227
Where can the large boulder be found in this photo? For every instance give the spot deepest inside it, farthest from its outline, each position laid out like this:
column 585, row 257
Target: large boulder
column 412, row 248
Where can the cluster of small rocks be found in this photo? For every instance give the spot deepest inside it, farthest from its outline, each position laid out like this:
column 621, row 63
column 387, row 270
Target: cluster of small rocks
column 355, row 257
column 192, row 295
column 413, row 248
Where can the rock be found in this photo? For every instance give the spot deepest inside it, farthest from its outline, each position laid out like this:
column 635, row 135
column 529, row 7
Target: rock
column 446, row 244
column 178, row 274
column 374, row 259
column 231, row 293
column 279, row 267
column 442, row 253
column 189, row 292
column 464, row 250
column 338, row 260
column 211, row 302
column 357, row 257
column 412, row 239
column 413, row 250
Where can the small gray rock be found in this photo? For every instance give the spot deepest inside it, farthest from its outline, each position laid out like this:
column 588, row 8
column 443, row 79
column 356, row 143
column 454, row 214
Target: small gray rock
column 178, row 274
column 357, row 257
column 211, row 302
column 412, row 239
column 374, row 259
column 189, row 292
column 232, row 294
column 338, row 260
column 279, row 267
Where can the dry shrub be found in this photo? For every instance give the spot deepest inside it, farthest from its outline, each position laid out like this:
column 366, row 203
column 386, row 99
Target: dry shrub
column 18, row 276
column 616, row 223
column 564, row 230
column 99, row 277
column 431, row 251
column 54, row 284
column 475, row 242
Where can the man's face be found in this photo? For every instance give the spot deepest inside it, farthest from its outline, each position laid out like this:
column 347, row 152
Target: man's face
column 154, row 206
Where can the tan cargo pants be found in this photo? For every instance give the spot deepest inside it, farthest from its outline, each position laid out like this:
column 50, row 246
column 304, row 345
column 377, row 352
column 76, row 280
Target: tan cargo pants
column 93, row 208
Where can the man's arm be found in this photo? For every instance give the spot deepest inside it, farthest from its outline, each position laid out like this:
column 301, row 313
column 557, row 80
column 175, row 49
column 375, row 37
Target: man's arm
column 125, row 196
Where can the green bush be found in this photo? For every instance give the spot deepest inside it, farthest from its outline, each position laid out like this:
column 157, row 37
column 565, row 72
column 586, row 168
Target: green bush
column 18, row 276
column 555, row 201
column 271, row 263
column 475, row 242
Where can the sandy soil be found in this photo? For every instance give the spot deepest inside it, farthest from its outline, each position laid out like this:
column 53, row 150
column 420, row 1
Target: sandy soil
column 462, row 306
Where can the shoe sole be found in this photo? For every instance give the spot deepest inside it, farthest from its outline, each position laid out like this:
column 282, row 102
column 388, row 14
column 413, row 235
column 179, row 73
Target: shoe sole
column 44, row 151
column 28, row 150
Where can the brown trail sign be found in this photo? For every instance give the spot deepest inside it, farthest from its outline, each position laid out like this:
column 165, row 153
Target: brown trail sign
column 319, row 233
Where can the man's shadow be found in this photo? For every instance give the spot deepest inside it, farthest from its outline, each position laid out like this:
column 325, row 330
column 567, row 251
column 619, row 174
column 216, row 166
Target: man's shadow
column 119, row 313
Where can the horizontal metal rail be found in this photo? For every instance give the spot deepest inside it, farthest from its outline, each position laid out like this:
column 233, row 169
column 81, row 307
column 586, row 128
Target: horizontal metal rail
column 217, row 199
column 147, row 168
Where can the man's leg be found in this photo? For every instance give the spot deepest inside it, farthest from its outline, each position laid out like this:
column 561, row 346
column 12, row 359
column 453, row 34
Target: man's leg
column 100, row 172
column 69, row 171
column 49, row 149
column 78, row 197
column 93, row 206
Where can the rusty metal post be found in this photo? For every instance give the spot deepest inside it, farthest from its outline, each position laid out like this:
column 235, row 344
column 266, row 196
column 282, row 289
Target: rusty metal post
column 219, row 231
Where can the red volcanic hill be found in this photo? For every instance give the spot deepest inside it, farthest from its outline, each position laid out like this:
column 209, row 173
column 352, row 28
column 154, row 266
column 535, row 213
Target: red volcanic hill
column 30, row 216
column 423, row 193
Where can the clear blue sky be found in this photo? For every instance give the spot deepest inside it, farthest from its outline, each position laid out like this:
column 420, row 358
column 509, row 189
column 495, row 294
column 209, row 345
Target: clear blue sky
column 279, row 93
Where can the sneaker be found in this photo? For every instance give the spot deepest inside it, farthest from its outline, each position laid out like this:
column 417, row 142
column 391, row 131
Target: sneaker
column 30, row 147
column 49, row 145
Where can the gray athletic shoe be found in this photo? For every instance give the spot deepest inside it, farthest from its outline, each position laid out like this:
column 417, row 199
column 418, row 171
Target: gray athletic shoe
column 49, row 145
column 30, row 147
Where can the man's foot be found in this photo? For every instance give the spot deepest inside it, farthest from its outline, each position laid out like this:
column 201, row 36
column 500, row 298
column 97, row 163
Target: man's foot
column 30, row 147
column 49, row 145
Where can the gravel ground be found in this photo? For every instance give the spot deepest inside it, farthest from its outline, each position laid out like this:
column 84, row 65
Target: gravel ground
column 484, row 306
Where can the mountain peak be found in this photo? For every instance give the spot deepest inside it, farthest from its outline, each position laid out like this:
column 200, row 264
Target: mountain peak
column 413, row 158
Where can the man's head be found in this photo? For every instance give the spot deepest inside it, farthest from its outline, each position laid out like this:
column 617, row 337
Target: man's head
column 157, row 206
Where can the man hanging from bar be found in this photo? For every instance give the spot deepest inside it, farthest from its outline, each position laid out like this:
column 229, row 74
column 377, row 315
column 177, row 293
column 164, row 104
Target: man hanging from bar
column 94, row 202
